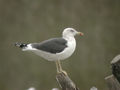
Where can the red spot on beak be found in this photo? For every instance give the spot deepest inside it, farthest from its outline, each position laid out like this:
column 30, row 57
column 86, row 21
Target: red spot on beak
column 80, row 33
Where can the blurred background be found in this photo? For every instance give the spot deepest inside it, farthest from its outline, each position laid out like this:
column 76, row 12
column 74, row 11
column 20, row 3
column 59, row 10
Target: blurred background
column 37, row 20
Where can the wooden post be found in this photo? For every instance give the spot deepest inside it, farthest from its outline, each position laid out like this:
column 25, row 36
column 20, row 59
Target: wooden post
column 116, row 67
column 113, row 80
column 112, row 83
column 65, row 82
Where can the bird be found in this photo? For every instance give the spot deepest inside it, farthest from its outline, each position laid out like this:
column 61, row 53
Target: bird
column 54, row 49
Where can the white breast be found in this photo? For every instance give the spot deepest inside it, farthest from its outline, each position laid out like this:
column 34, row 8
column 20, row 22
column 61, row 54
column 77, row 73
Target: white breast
column 69, row 50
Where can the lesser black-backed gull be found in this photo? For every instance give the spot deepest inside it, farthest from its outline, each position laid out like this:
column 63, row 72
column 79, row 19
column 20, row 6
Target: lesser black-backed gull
column 54, row 49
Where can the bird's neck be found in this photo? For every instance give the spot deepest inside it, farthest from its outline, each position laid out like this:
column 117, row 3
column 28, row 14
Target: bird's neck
column 69, row 38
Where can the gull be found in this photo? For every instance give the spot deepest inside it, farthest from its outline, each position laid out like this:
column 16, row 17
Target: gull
column 54, row 49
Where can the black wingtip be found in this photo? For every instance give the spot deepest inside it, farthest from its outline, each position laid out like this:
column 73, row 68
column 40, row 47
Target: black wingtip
column 21, row 45
column 17, row 44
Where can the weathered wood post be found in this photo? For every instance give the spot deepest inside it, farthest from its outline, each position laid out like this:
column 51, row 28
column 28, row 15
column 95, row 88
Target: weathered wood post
column 65, row 82
column 113, row 80
column 116, row 67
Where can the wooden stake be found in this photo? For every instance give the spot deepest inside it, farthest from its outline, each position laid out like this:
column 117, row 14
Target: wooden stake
column 112, row 83
column 65, row 82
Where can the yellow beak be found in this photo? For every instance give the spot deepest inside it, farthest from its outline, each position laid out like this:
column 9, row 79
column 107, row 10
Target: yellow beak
column 80, row 33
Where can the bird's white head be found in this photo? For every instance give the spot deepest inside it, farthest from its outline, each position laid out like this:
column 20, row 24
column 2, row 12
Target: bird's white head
column 71, row 32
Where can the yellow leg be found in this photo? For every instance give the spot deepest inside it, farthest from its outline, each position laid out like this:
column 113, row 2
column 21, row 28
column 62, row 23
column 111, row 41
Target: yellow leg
column 59, row 67
column 59, row 64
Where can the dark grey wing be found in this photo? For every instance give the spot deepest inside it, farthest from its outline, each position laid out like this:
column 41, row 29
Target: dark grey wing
column 54, row 45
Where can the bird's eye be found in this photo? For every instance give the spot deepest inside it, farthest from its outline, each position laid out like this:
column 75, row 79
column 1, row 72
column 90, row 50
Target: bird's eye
column 72, row 30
